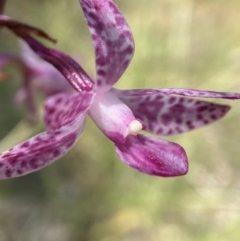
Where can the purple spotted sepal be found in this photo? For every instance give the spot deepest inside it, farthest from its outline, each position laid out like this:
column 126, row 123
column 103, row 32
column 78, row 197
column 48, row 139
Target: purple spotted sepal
column 153, row 156
column 64, row 118
column 112, row 39
column 167, row 114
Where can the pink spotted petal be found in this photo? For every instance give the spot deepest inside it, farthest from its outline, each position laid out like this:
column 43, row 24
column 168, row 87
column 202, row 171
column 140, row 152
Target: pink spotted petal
column 38, row 151
column 67, row 66
column 112, row 38
column 184, row 92
column 169, row 115
column 44, row 148
column 153, row 156
column 64, row 108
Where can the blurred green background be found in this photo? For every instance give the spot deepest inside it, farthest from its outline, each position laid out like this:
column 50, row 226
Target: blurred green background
column 89, row 194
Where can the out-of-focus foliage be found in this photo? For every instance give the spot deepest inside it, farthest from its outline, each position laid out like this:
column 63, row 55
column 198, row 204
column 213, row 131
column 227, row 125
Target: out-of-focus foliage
column 89, row 194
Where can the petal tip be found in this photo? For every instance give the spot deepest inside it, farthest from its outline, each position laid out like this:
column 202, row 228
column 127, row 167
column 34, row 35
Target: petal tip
column 180, row 161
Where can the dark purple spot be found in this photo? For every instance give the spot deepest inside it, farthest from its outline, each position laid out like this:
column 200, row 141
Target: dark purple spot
column 113, row 7
column 56, row 153
column 13, row 161
column 96, row 5
column 179, row 120
column 212, row 109
column 170, row 132
column 25, row 144
column 160, row 130
column 33, row 163
column 101, row 61
column 171, row 100
column 158, row 97
column 58, row 132
column 190, row 124
column 92, row 15
column 35, row 145
column 19, row 154
column 178, row 129
column 127, row 34
column 147, row 98
column 202, row 108
column 120, row 20
column 51, row 110
column 58, row 100
column 7, row 155
column 128, row 50
column 19, row 172
column 177, row 109
column 101, row 72
column 214, row 117
column 166, row 119
column 8, row 173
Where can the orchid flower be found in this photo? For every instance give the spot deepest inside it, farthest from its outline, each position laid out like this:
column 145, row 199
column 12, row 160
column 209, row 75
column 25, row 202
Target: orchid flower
column 119, row 114
column 38, row 76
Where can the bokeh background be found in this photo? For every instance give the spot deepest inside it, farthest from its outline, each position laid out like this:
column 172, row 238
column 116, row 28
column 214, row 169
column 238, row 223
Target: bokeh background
column 89, row 194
